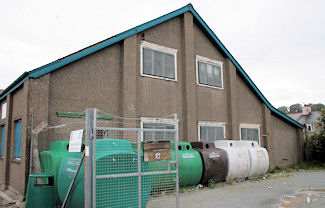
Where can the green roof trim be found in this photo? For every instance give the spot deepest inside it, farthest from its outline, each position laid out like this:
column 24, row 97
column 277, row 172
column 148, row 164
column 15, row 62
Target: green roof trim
column 13, row 86
column 83, row 115
column 121, row 36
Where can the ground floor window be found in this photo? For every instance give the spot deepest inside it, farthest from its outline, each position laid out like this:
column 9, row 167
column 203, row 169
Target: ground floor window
column 250, row 132
column 17, row 151
column 157, row 123
column 211, row 131
column 3, row 131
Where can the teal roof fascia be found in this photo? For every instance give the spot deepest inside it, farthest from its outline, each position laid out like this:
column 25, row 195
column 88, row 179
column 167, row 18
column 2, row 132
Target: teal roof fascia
column 121, row 36
column 17, row 83
column 241, row 70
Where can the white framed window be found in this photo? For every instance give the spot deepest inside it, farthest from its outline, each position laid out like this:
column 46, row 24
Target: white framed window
column 157, row 123
column 310, row 128
column 158, row 61
column 4, row 111
column 211, row 131
column 250, row 132
column 209, row 72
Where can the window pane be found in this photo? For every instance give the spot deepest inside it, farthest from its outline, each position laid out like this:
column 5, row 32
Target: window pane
column 210, row 75
column 203, row 73
column 17, row 138
column 212, row 133
column 169, row 66
column 203, row 133
column 218, row 78
column 243, row 134
column 148, row 135
column 158, row 64
column 2, row 140
column 220, row 133
column 147, row 61
column 250, row 134
column 255, row 135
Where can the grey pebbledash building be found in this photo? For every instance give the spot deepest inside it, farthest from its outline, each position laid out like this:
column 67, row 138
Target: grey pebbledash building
column 174, row 63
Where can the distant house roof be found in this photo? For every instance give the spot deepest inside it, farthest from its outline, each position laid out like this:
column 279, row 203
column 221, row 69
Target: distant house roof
column 306, row 119
column 38, row 72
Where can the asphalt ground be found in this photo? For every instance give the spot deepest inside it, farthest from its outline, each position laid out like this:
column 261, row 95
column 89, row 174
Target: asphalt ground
column 294, row 189
column 288, row 190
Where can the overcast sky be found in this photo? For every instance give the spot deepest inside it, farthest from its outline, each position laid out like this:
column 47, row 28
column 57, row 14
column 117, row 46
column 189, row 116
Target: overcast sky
column 279, row 43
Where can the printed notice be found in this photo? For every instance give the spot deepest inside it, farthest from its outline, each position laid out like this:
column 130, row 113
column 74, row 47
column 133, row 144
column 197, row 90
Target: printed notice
column 4, row 111
column 76, row 140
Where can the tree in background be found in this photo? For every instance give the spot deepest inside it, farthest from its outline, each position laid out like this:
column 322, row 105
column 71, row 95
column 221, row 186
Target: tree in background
column 283, row 109
column 317, row 142
column 317, row 107
column 295, row 108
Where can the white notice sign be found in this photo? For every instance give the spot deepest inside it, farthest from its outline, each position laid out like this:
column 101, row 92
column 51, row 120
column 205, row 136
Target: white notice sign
column 4, row 111
column 76, row 140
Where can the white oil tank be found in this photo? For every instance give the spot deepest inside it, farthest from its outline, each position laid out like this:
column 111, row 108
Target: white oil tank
column 259, row 158
column 238, row 159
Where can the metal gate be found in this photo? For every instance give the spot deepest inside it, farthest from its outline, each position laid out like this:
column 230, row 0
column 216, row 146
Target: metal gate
column 131, row 167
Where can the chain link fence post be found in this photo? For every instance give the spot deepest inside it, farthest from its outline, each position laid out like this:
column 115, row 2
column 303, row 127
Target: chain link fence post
column 88, row 160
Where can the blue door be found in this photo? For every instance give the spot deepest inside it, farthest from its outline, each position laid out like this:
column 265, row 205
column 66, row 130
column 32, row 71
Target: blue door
column 3, row 129
column 17, row 138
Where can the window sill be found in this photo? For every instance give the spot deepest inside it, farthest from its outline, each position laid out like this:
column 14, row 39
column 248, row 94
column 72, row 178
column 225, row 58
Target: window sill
column 209, row 86
column 157, row 77
column 16, row 160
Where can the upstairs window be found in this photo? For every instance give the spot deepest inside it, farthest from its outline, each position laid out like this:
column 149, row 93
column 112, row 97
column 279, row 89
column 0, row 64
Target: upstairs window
column 211, row 131
column 158, row 61
column 209, row 72
column 310, row 128
column 17, row 151
column 4, row 111
column 250, row 132
column 3, row 130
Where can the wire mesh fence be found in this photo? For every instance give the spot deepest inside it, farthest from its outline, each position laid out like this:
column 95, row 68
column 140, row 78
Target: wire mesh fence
column 135, row 165
column 45, row 134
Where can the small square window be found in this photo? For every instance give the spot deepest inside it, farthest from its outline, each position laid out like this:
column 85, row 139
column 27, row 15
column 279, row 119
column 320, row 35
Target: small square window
column 310, row 128
column 158, row 61
column 209, row 72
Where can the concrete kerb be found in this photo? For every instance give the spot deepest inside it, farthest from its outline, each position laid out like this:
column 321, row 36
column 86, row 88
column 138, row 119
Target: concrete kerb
column 10, row 198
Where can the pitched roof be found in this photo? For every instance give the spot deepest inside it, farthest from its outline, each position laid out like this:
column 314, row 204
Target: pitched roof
column 114, row 39
column 312, row 117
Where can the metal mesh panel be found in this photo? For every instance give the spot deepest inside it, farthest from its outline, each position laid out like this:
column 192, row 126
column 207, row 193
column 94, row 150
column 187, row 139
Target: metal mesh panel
column 47, row 134
column 123, row 176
